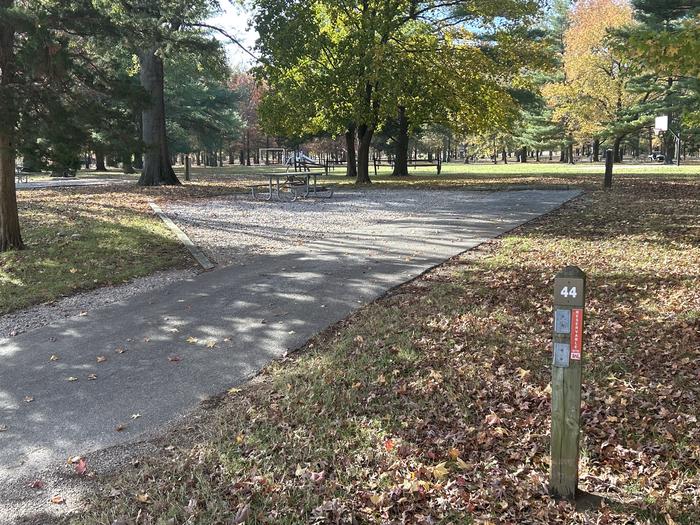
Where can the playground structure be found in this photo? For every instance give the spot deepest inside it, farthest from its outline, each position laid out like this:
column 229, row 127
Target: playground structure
column 272, row 155
column 301, row 162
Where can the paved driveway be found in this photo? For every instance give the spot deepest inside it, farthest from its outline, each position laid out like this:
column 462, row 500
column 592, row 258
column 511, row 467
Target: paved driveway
column 167, row 352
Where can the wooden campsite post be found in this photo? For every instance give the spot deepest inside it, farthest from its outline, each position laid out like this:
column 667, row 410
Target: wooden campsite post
column 569, row 303
column 607, row 183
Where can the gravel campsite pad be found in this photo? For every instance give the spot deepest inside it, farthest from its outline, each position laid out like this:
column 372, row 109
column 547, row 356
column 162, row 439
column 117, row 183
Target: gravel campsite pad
column 229, row 228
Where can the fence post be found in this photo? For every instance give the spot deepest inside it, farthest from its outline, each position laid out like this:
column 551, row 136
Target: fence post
column 567, row 342
column 607, row 183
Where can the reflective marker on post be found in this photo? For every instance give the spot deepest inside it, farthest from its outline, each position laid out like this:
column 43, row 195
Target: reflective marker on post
column 567, row 351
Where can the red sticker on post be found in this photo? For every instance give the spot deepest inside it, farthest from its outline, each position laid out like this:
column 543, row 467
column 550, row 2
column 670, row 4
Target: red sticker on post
column 576, row 333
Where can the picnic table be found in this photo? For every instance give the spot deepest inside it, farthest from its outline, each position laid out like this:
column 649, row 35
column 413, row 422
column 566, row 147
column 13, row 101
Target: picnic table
column 290, row 187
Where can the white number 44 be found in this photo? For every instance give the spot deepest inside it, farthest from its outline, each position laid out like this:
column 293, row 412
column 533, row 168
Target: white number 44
column 568, row 292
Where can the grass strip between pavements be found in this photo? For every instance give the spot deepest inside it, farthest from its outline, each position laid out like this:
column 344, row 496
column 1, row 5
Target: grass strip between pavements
column 432, row 404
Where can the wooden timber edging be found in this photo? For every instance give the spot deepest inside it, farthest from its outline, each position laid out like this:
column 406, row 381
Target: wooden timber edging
column 196, row 252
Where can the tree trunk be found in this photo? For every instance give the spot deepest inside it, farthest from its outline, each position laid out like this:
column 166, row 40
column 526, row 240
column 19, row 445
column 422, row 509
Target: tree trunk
column 128, row 166
column 570, row 153
column 100, row 161
column 138, row 160
column 364, row 135
column 401, row 145
column 523, row 154
column 596, row 150
column 351, row 151
column 10, row 235
column 617, row 153
column 247, row 147
column 157, row 170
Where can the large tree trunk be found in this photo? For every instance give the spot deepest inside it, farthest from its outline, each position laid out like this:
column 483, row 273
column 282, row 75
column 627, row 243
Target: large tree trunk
column 10, row 235
column 157, row 170
column 596, row 150
column 364, row 136
column 401, row 147
column 352, row 156
column 523, row 154
column 100, row 161
column 617, row 153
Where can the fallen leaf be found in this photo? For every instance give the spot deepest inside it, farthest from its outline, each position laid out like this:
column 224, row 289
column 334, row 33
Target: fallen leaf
column 92, row 377
column 57, row 500
column 135, row 416
column 120, row 350
column 120, row 427
column 211, row 344
column 101, row 358
column 439, row 471
column 389, row 445
column 241, row 515
column 233, row 391
column 192, row 340
column 142, row 498
column 37, row 484
column 3, row 428
column 492, row 419
column 376, row 500
column 54, row 357
column 28, row 399
column 174, row 358
column 72, row 378
column 81, row 467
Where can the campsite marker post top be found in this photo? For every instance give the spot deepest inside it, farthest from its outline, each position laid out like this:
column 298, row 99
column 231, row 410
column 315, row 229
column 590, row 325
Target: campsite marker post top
column 567, row 352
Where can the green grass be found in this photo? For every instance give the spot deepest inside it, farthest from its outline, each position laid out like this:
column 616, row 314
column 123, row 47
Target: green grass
column 74, row 243
column 432, row 404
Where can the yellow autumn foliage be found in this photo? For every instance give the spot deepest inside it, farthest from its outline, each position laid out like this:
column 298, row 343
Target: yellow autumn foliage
column 594, row 92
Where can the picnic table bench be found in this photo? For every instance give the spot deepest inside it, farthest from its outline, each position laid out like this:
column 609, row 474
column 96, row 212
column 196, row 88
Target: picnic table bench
column 290, row 187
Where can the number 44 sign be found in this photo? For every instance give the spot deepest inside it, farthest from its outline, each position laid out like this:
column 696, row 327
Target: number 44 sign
column 569, row 292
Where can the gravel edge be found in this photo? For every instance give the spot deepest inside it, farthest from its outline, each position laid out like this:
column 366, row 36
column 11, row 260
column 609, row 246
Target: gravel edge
column 37, row 316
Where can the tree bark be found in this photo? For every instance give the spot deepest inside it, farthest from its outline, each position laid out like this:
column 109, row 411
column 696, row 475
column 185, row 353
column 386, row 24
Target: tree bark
column 523, row 154
column 364, row 136
column 596, row 150
column 616, row 149
column 351, row 155
column 10, row 234
column 157, row 169
column 100, row 161
column 401, row 145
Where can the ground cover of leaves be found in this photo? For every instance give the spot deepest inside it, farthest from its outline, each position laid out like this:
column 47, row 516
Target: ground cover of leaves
column 432, row 405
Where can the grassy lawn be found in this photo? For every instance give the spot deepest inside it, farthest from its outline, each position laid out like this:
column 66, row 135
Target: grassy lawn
column 432, row 404
column 83, row 238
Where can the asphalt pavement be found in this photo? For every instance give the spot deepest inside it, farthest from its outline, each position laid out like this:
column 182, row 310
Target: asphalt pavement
column 121, row 373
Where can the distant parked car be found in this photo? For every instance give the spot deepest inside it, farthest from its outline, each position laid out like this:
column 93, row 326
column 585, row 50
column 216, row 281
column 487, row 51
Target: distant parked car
column 657, row 156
